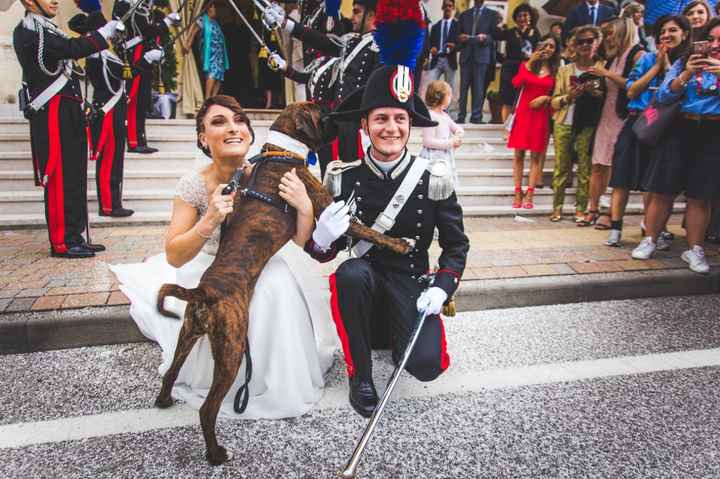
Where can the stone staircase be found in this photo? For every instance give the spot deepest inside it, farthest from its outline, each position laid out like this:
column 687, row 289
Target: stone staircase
column 483, row 161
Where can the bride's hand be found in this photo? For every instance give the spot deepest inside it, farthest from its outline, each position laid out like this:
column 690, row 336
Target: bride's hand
column 292, row 190
column 219, row 206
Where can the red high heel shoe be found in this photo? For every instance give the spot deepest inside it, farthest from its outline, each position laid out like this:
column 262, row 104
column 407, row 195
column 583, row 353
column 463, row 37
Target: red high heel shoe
column 517, row 203
column 529, row 204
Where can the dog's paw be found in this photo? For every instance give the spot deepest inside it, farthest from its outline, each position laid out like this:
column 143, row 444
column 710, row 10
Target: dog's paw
column 164, row 402
column 218, row 455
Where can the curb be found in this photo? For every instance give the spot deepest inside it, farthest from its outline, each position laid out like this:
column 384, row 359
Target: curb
column 30, row 332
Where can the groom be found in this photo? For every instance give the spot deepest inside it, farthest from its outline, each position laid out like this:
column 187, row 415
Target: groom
column 376, row 295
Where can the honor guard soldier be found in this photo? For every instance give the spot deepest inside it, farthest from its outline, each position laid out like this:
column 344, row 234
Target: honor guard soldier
column 144, row 25
column 358, row 55
column 52, row 101
column 109, row 128
column 376, row 295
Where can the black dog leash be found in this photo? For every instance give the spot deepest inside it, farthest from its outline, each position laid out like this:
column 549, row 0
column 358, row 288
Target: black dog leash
column 242, row 396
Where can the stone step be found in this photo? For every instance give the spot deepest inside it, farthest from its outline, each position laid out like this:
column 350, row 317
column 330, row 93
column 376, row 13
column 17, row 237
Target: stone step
column 470, row 196
column 540, row 210
column 158, row 200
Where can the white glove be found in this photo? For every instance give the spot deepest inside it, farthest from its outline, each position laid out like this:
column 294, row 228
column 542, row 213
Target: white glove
column 273, row 16
column 431, row 301
column 172, row 19
column 333, row 222
column 279, row 61
column 154, row 56
column 111, row 28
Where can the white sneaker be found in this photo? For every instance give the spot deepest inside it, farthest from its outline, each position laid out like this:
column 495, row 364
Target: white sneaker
column 645, row 249
column 695, row 258
column 614, row 238
column 663, row 243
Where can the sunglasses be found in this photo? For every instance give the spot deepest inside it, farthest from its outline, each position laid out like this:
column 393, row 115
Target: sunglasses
column 584, row 41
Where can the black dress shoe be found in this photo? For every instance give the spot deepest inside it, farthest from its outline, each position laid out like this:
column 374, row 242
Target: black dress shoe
column 363, row 397
column 118, row 213
column 73, row 252
column 460, row 120
column 94, row 247
column 142, row 149
column 477, row 122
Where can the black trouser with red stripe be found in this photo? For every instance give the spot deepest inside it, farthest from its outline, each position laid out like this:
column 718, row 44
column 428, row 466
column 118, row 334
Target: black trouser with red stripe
column 376, row 308
column 59, row 149
column 140, row 97
column 109, row 133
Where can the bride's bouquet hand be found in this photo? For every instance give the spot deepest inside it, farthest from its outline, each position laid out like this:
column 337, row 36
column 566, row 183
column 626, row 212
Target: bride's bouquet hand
column 292, row 190
column 219, row 206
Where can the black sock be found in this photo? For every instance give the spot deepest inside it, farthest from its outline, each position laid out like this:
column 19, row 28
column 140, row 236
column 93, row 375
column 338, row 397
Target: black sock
column 616, row 225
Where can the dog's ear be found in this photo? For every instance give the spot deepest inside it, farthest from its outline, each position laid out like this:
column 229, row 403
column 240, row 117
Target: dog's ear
column 307, row 126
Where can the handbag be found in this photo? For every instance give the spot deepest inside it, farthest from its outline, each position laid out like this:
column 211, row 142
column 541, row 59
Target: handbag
column 511, row 118
column 655, row 120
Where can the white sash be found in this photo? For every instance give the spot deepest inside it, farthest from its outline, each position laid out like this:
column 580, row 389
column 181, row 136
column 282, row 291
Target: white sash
column 39, row 101
column 386, row 219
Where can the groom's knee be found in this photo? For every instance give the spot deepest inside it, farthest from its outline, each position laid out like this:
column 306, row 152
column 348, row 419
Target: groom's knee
column 355, row 275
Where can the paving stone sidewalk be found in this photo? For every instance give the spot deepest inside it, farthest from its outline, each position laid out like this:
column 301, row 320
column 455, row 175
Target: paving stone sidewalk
column 501, row 248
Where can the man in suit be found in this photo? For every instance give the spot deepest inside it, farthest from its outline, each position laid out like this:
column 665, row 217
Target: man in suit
column 589, row 12
column 444, row 45
column 477, row 27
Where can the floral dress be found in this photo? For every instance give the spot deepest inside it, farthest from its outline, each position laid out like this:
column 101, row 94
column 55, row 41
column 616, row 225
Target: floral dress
column 214, row 52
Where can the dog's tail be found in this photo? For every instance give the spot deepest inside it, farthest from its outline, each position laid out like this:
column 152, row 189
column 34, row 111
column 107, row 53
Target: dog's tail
column 189, row 295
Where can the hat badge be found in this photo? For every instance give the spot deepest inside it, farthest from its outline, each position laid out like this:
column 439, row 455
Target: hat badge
column 401, row 84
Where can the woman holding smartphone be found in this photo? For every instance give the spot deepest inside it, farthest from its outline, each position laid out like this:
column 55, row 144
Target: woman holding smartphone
column 630, row 157
column 692, row 165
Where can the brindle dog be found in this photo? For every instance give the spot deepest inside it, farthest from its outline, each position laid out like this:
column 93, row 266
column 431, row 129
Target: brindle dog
column 254, row 232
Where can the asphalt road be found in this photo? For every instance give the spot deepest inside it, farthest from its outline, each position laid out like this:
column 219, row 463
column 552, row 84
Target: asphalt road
column 619, row 389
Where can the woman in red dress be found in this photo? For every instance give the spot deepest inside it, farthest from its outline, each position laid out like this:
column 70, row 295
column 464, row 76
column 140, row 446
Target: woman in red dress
column 531, row 127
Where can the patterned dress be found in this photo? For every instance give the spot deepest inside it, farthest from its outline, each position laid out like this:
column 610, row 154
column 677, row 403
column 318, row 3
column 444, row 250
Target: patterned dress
column 214, row 51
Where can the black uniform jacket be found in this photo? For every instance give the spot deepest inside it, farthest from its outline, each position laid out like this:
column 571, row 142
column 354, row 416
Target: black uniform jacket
column 353, row 73
column 373, row 191
column 55, row 49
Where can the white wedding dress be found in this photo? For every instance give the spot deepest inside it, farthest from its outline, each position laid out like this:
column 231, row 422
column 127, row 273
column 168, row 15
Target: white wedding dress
column 291, row 333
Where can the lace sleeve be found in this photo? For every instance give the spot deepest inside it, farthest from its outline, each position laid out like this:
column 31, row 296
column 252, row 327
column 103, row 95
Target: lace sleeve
column 191, row 189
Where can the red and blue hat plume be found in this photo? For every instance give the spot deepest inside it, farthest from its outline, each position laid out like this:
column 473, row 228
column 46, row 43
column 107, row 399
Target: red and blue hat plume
column 399, row 31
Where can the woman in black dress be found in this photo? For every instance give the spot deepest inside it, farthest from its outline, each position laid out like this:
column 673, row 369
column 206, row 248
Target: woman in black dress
column 520, row 42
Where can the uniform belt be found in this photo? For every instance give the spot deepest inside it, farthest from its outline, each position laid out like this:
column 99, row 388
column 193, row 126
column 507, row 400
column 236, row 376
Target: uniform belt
column 701, row 118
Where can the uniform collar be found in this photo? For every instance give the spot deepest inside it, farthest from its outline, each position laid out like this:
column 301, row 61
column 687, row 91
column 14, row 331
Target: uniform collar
column 393, row 174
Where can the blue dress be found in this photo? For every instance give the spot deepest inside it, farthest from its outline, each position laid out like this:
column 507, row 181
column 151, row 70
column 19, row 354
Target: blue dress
column 214, row 51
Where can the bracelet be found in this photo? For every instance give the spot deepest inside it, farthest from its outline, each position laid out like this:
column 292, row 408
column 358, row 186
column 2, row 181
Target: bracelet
column 200, row 234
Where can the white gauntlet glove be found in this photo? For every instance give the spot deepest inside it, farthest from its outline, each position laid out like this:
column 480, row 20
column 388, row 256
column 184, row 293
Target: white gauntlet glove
column 334, row 221
column 153, row 56
column 278, row 60
column 273, row 16
column 111, row 28
column 172, row 19
column 431, row 301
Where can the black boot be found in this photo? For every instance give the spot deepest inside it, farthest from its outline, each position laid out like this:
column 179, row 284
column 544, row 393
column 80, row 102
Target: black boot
column 143, row 149
column 118, row 213
column 363, row 397
column 94, row 247
column 73, row 252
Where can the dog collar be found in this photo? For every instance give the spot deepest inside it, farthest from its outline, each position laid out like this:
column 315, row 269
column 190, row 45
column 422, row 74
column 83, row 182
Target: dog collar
column 287, row 143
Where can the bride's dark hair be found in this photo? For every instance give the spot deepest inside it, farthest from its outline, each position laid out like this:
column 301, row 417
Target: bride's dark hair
column 222, row 100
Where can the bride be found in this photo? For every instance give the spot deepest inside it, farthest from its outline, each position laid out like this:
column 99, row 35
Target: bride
column 290, row 331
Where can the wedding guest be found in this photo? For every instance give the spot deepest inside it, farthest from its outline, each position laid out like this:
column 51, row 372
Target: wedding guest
column 438, row 142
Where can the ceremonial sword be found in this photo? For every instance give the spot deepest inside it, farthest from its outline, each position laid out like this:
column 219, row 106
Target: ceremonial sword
column 272, row 64
column 352, row 464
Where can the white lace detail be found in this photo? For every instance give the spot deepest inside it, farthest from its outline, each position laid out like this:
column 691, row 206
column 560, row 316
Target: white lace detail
column 192, row 189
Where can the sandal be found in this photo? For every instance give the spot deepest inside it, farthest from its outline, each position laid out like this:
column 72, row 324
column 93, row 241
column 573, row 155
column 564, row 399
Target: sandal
column 517, row 203
column 529, row 193
column 556, row 215
column 602, row 226
column 588, row 219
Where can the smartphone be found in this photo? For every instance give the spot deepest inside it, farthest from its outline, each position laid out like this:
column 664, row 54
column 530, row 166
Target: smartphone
column 701, row 48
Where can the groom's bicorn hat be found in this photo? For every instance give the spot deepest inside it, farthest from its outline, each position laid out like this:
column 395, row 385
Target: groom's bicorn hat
column 388, row 86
